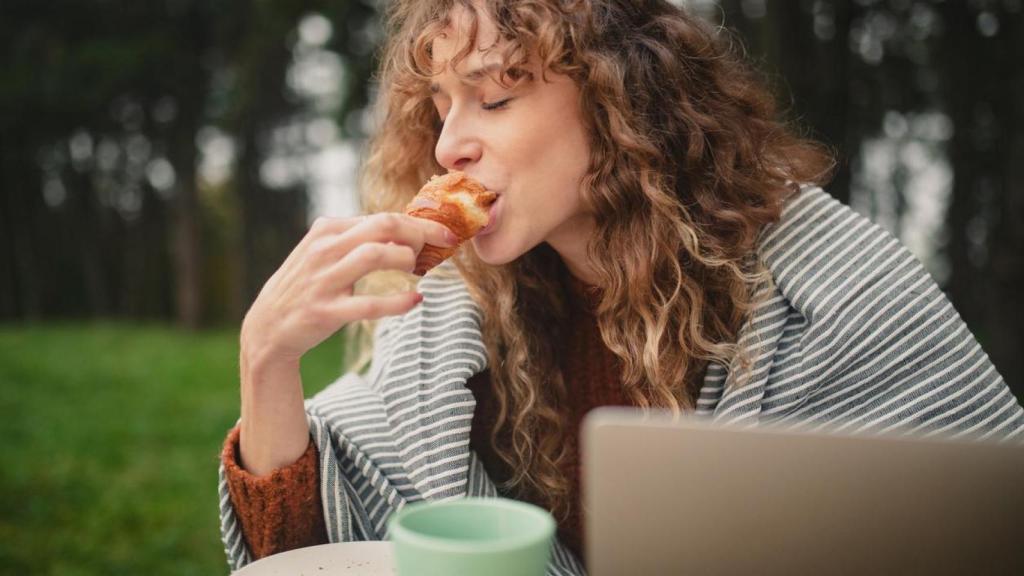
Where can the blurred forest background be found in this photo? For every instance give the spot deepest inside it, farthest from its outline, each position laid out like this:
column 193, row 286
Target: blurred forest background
column 159, row 159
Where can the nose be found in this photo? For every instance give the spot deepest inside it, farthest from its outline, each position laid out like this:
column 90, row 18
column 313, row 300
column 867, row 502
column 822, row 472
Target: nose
column 459, row 144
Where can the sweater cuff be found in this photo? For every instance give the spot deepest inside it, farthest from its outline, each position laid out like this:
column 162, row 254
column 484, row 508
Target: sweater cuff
column 278, row 511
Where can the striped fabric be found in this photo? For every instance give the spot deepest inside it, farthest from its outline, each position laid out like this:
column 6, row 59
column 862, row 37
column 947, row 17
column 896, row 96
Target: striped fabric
column 851, row 334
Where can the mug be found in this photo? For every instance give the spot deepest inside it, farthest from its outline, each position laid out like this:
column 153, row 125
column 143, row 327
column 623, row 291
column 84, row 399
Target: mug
column 469, row 536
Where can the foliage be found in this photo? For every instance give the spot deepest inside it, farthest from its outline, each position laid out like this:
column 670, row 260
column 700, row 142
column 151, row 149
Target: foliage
column 107, row 109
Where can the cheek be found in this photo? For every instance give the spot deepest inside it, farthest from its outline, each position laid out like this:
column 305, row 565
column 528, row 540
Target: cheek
column 543, row 211
column 539, row 210
column 519, row 230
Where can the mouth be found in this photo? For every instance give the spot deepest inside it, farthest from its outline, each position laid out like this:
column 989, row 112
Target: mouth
column 493, row 217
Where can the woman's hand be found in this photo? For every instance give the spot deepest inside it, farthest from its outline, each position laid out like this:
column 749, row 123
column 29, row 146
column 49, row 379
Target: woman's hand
column 310, row 297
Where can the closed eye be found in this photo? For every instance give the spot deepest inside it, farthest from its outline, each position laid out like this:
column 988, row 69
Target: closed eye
column 485, row 106
column 495, row 105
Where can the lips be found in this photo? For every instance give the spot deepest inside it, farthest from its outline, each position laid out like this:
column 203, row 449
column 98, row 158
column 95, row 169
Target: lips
column 492, row 221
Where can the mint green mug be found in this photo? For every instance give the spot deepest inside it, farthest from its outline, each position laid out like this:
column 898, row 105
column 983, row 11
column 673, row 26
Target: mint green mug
column 469, row 536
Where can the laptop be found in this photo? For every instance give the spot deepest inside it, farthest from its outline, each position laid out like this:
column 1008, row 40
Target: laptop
column 668, row 495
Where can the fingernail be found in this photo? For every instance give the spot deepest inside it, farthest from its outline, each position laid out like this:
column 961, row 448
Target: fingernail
column 451, row 238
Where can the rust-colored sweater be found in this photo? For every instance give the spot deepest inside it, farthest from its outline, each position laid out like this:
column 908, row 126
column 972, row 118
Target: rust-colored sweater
column 282, row 510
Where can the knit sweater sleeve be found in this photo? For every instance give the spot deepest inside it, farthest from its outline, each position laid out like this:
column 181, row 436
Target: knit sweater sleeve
column 278, row 511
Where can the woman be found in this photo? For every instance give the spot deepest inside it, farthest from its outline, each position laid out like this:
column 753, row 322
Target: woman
column 659, row 240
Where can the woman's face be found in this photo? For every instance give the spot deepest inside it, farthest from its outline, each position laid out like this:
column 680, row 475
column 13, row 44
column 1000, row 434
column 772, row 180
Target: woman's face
column 528, row 144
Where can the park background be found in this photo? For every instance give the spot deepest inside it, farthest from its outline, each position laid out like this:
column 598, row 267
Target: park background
column 159, row 159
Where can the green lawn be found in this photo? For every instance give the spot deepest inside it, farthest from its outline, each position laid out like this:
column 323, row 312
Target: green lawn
column 110, row 436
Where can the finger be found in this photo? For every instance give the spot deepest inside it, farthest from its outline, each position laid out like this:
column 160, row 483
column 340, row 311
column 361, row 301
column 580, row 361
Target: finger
column 382, row 228
column 322, row 226
column 436, row 233
column 407, row 230
column 367, row 258
column 369, row 307
column 327, row 226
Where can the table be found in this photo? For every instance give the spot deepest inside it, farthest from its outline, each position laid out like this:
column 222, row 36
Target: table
column 341, row 559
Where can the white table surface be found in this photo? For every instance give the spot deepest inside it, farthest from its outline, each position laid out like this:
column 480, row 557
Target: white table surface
column 342, row 559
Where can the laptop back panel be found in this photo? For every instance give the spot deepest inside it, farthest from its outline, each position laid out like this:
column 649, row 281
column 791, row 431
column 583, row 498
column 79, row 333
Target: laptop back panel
column 684, row 496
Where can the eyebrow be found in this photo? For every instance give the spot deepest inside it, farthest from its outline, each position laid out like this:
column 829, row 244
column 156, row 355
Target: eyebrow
column 474, row 75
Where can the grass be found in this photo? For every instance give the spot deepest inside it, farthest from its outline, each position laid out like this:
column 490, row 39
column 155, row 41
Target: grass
column 110, row 438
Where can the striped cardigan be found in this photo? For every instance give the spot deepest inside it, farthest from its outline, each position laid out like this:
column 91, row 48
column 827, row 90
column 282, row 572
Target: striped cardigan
column 851, row 333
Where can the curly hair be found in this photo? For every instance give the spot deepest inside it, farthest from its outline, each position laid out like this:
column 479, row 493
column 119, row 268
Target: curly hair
column 688, row 162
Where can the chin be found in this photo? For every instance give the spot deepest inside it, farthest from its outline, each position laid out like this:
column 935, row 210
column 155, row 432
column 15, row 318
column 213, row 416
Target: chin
column 492, row 250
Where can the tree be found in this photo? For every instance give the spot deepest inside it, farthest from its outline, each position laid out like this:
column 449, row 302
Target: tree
column 984, row 84
column 103, row 213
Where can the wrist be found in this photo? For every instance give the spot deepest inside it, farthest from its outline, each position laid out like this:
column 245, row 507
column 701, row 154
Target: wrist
column 273, row 426
column 260, row 362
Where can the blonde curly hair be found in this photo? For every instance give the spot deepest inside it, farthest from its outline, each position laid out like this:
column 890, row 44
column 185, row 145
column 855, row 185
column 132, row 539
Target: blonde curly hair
column 688, row 164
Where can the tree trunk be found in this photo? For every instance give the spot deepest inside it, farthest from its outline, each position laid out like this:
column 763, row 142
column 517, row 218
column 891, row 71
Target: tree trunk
column 21, row 294
column 1004, row 308
column 986, row 214
column 272, row 221
column 187, row 244
column 186, row 232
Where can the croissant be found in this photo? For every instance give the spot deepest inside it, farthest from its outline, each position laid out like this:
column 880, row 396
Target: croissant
column 455, row 200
